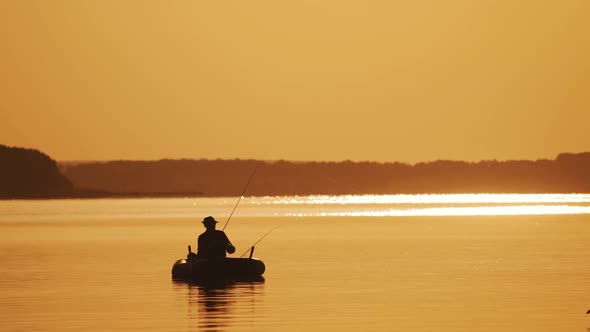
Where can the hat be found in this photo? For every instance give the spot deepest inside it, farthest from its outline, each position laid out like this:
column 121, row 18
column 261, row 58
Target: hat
column 209, row 220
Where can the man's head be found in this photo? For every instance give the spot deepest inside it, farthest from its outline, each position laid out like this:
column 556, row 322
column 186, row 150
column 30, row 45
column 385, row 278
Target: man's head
column 209, row 222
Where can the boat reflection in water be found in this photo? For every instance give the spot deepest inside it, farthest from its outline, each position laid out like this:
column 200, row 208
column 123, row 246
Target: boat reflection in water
column 221, row 305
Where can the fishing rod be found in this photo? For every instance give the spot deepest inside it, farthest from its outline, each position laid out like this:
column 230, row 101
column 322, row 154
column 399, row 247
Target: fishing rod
column 255, row 243
column 238, row 202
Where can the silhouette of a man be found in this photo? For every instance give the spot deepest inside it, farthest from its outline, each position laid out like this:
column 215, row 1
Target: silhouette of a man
column 213, row 243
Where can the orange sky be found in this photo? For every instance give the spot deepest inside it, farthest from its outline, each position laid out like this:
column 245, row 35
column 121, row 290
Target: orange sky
column 297, row 80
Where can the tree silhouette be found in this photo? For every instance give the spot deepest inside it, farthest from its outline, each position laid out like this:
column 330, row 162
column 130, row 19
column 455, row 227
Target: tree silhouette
column 27, row 173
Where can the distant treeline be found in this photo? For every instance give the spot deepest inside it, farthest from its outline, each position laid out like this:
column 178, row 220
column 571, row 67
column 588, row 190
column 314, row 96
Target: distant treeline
column 27, row 173
column 568, row 173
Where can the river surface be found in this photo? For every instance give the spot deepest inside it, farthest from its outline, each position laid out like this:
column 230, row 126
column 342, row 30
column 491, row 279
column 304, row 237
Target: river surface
column 342, row 263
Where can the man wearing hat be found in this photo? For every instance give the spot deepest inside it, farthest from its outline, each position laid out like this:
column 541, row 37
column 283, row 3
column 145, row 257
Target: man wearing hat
column 213, row 243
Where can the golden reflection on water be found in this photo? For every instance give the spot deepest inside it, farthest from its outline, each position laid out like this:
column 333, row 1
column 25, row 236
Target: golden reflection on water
column 103, row 272
column 430, row 199
column 299, row 206
column 442, row 205
column 216, row 306
column 461, row 211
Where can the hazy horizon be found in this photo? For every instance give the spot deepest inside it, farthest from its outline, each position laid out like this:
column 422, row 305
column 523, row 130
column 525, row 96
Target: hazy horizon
column 317, row 161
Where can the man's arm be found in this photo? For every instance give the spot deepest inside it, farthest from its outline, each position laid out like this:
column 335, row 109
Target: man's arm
column 228, row 246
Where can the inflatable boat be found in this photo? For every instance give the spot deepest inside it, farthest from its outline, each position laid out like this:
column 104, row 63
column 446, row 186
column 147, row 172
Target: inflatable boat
column 225, row 268
column 218, row 268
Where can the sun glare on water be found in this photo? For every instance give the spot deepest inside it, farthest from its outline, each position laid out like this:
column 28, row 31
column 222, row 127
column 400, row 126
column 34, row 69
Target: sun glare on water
column 440, row 205
column 469, row 211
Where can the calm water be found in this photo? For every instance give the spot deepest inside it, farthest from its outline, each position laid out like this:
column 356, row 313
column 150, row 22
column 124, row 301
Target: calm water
column 378, row 263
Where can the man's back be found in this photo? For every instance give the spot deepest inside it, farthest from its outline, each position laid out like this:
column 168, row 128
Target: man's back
column 212, row 244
